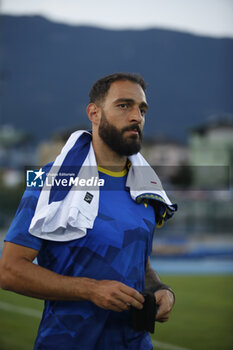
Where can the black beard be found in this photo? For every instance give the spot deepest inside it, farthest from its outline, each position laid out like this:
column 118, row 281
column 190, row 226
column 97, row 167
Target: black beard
column 114, row 138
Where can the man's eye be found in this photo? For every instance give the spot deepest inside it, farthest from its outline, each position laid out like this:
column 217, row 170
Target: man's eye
column 143, row 112
column 123, row 105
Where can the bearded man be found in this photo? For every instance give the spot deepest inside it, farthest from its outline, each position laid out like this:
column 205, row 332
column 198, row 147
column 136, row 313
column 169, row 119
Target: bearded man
column 93, row 245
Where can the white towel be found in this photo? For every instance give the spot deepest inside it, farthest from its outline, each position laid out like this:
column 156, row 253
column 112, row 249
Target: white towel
column 70, row 218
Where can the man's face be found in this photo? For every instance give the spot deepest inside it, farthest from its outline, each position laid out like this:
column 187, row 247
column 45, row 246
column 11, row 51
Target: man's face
column 123, row 117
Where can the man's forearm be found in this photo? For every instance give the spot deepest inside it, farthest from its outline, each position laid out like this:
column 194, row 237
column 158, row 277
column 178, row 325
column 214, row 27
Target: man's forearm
column 19, row 274
column 153, row 282
column 35, row 281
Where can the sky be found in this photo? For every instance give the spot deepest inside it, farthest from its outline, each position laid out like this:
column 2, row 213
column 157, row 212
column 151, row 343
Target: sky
column 203, row 17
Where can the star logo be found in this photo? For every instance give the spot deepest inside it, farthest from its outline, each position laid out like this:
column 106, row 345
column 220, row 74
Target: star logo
column 34, row 178
column 38, row 173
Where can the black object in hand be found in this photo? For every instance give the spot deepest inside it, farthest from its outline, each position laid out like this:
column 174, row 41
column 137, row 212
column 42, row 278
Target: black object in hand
column 144, row 319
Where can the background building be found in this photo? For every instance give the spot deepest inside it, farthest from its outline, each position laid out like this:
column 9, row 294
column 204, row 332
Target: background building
column 211, row 153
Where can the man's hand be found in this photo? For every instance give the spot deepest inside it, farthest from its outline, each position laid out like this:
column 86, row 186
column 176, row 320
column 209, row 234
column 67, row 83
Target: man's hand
column 165, row 301
column 116, row 296
column 19, row 274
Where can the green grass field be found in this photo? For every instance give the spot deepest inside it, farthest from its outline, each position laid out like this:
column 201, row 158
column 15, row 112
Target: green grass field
column 201, row 320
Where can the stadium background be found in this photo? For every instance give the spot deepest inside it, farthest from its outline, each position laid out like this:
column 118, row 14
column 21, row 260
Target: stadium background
column 193, row 148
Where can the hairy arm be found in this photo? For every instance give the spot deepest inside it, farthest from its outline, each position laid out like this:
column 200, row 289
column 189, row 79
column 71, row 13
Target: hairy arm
column 152, row 279
column 165, row 297
column 18, row 273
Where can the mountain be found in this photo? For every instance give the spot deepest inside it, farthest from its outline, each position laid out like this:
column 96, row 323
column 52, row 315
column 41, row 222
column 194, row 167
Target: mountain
column 47, row 69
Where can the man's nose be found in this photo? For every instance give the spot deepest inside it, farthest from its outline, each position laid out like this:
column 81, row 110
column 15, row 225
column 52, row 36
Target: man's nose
column 136, row 114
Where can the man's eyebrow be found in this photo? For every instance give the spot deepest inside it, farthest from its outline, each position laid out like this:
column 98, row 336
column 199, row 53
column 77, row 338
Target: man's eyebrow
column 130, row 100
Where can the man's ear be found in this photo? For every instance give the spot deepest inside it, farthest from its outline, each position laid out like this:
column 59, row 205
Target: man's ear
column 93, row 112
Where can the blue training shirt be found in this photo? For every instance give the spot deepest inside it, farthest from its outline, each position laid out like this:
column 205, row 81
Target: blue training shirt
column 117, row 248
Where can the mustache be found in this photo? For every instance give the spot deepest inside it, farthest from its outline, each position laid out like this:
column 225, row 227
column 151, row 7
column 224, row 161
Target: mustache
column 132, row 127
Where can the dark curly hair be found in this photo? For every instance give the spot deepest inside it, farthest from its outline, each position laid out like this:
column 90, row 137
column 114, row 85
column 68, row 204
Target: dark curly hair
column 100, row 88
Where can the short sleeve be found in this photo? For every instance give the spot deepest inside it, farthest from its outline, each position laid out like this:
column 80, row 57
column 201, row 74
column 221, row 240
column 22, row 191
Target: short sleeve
column 18, row 232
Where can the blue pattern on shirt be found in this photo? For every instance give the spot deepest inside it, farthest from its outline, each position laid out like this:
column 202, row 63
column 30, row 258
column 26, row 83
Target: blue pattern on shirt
column 117, row 248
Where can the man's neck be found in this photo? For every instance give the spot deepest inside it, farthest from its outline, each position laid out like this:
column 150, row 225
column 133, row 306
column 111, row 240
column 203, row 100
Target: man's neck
column 106, row 158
